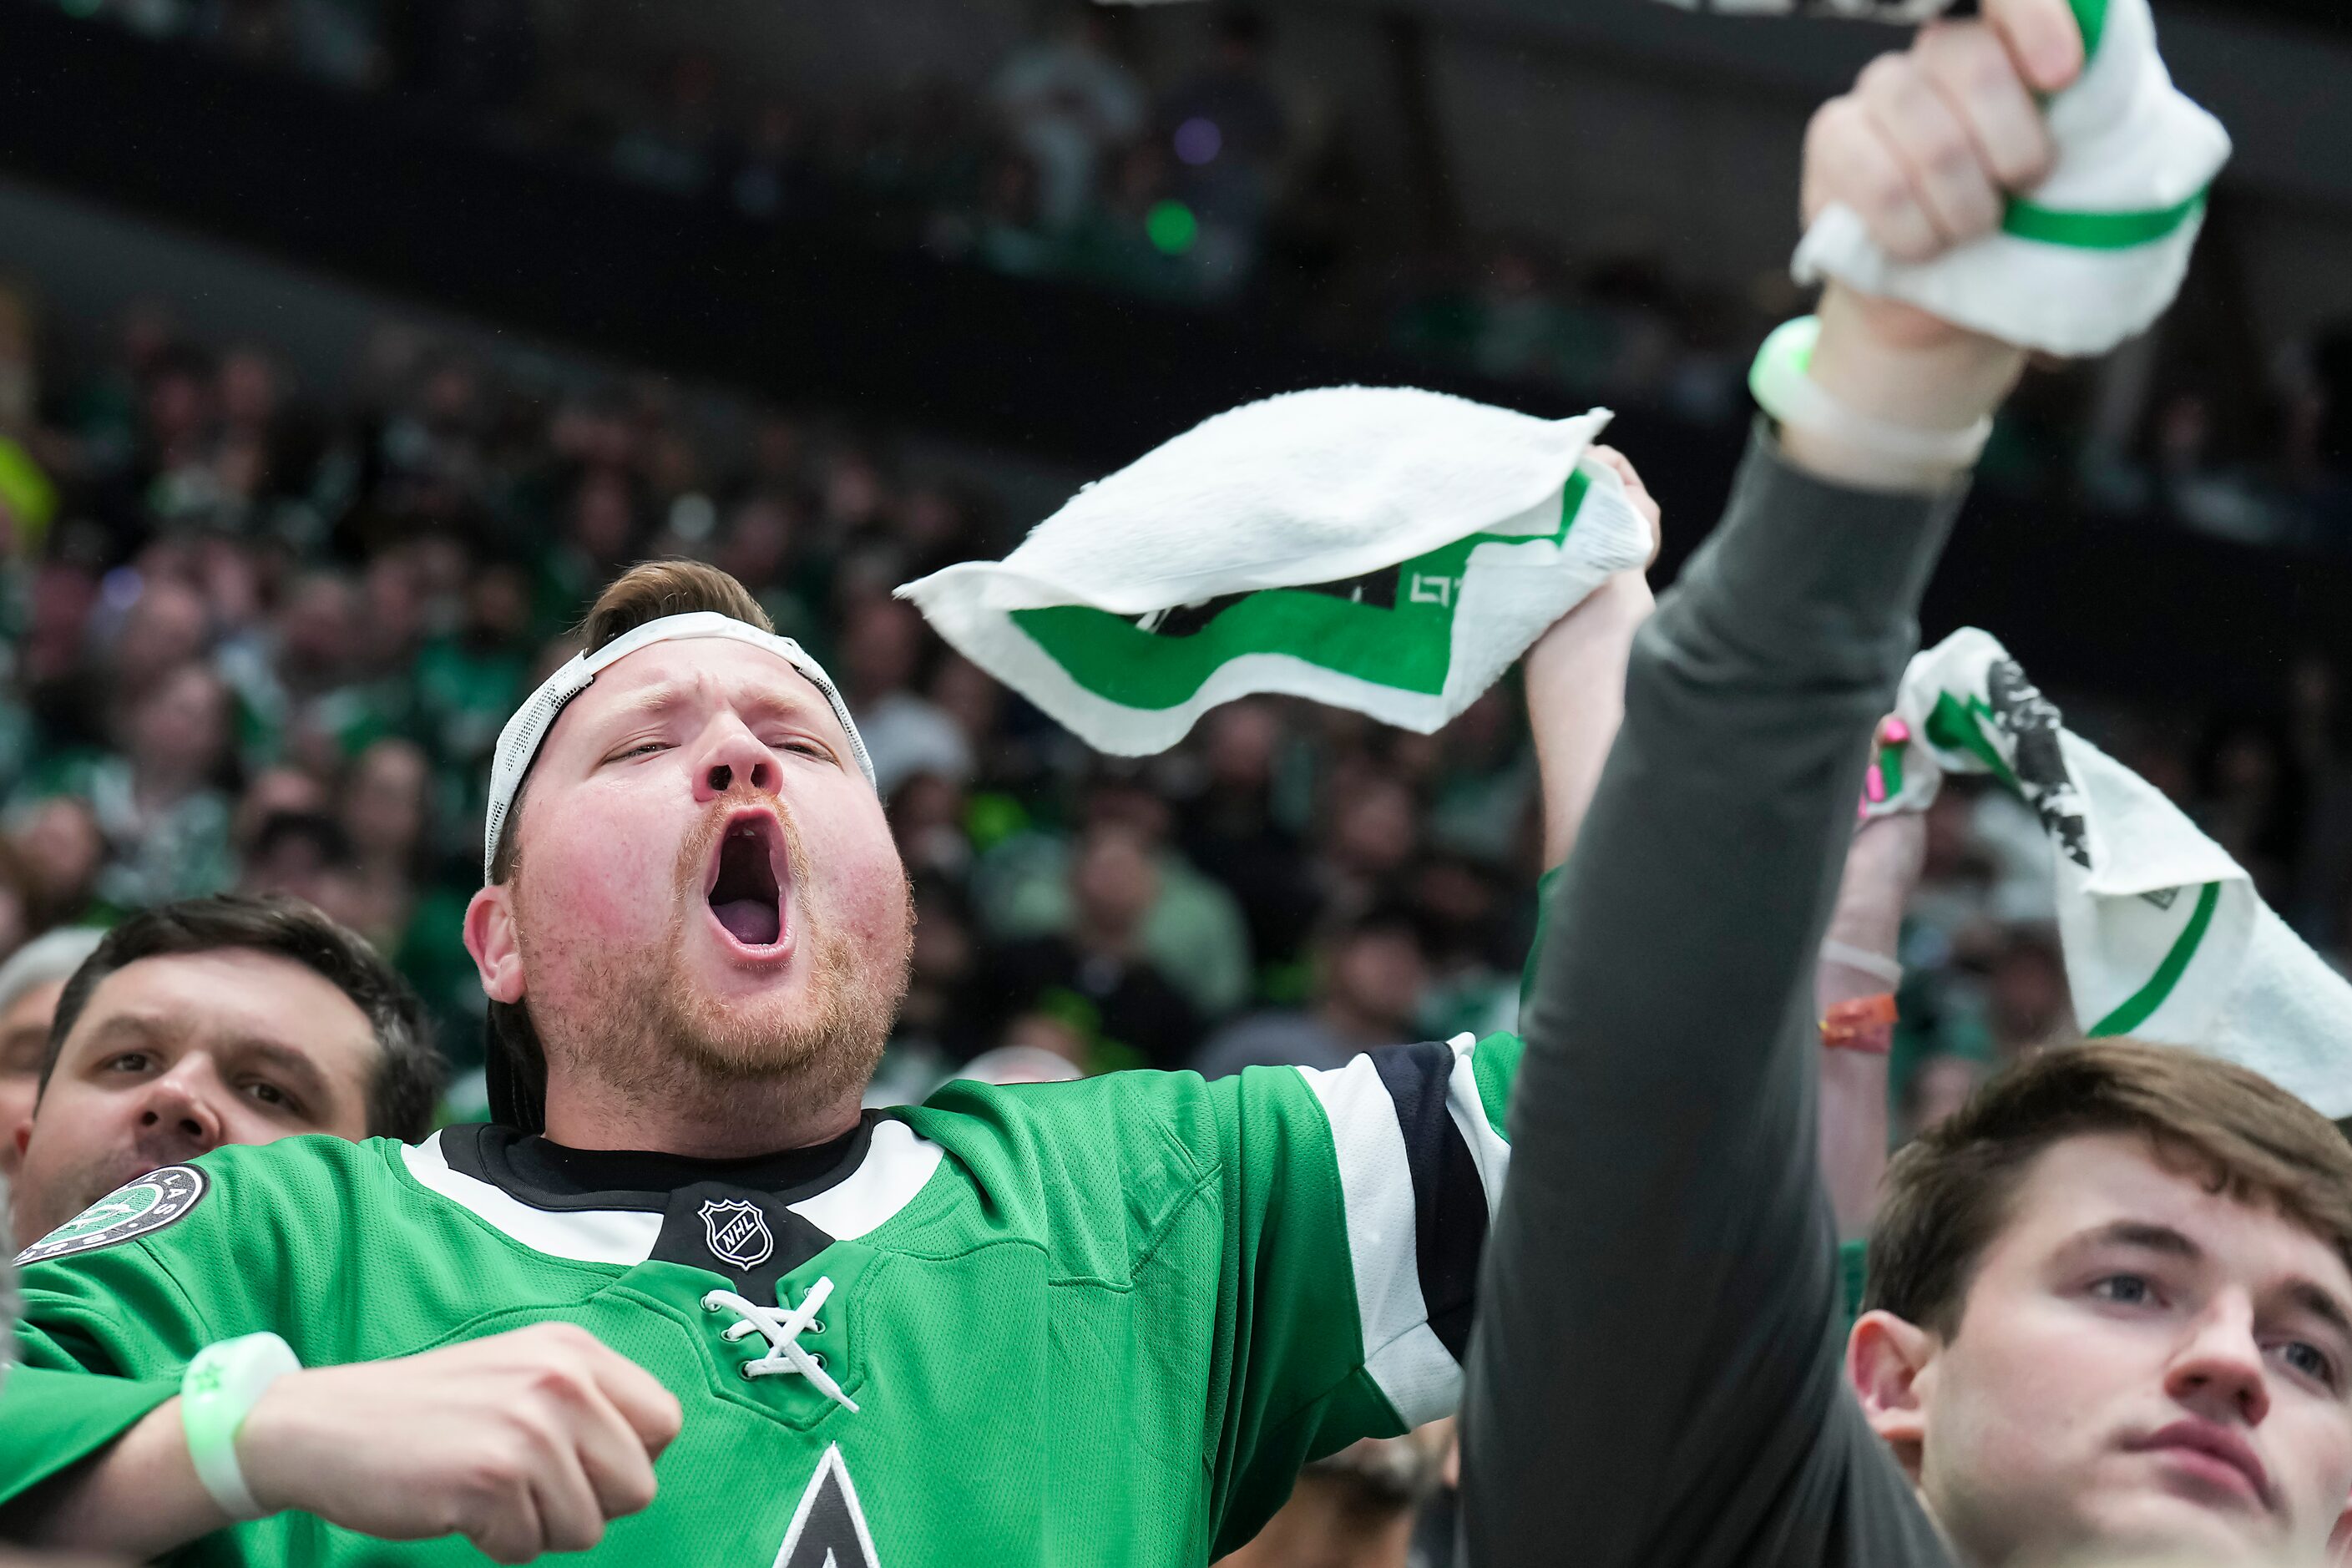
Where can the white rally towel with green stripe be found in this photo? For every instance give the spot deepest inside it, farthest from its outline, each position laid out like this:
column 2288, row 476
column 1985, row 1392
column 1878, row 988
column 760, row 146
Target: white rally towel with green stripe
column 1380, row 548
column 2097, row 251
column 2165, row 937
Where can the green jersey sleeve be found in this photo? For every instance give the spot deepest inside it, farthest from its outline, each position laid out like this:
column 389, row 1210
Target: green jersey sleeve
column 52, row 1419
column 84, row 1288
column 115, row 1301
column 1303, row 1245
column 1359, row 1203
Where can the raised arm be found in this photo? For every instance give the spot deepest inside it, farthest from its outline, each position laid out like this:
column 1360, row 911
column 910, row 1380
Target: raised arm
column 1576, row 684
column 1857, row 959
column 1655, row 1376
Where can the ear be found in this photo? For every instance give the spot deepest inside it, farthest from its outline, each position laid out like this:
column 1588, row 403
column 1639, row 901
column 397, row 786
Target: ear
column 490, row 938
column 1889, row 1363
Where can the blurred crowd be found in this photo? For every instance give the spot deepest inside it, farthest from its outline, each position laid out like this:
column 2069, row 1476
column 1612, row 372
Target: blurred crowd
column 1227, row 183
column 262, row 636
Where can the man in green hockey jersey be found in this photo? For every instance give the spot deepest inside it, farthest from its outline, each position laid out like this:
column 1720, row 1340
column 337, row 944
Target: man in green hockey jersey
column 687, row 1302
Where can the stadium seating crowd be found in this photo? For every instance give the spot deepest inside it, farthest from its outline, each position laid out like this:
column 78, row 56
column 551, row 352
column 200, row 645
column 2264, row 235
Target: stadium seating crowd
column 263, row 636
column 1229, row 187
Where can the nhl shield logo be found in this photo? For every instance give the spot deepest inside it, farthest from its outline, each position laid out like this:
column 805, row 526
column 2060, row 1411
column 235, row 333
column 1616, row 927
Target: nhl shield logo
column 738, row 1232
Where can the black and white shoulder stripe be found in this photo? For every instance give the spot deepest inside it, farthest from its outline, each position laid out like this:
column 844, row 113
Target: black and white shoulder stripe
column 1421, row 1169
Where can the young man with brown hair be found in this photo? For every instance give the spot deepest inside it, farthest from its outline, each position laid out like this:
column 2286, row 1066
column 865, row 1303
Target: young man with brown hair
column 2154, row 1246
column 2111, row 1306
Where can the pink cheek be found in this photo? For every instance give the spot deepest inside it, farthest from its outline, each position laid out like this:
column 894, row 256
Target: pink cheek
column 869, row 890
column 603, row 875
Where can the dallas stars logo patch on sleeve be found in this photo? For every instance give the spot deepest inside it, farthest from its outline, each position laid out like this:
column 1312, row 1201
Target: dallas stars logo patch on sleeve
column 139, row 1208
column 828, row 1528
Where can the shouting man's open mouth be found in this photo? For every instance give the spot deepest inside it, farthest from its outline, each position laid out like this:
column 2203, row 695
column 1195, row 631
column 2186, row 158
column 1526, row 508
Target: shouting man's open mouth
column 749, row 869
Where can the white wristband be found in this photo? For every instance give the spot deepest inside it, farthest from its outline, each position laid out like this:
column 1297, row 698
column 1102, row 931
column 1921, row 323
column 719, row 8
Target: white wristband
column 1783, row 387
column 216, row 1391
column 1877, row 966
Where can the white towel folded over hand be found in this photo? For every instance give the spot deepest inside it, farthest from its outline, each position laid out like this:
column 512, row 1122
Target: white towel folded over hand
column 2098, row 250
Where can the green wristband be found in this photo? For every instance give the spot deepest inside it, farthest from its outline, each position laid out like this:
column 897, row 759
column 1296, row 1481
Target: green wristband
column 1781, row 383
column 220, row 1386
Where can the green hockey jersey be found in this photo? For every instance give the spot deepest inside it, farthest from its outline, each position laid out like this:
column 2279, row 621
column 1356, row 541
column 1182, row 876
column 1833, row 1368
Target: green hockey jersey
column 1093, row 1322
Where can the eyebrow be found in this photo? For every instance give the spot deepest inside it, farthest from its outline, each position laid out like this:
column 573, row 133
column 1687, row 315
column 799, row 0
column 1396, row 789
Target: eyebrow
column 2321, row 1303
column 288, row 1062
column 132, row 1028
column 668, row 696
column 29, row 1041
column 2140, row 1233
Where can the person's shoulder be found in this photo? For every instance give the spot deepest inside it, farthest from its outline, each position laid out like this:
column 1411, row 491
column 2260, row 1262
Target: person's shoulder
column 1075, row 1118
column 1055, row 1157
column 307, row 1164
column 1140, row 1131
column 216, row 1203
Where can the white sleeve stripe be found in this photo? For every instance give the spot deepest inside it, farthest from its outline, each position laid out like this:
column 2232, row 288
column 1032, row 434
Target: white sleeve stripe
column 1488, row 1151
column 1417, row 1376
column 1403, row 1352
column 1375, row 1192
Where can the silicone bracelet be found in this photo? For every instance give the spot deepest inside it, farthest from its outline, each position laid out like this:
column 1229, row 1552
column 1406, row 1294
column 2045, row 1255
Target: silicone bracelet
column 1783, row 387
column 1877, row 966
column 216, row 1391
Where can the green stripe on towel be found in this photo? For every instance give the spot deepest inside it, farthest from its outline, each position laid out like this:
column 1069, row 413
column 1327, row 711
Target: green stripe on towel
column 1409, row 648
column 2098, row 231
column 2141, row 1005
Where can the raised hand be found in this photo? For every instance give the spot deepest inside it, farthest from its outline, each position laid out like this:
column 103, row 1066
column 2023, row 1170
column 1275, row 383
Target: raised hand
column 1926, row 149
column 1637, row 492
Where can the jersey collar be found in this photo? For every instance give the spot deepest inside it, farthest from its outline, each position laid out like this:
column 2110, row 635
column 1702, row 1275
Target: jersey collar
column 557, row 1201
column 551, row 1176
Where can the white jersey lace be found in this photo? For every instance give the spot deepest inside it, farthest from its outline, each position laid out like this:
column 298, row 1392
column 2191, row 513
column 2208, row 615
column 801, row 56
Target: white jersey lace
column 782, row 1331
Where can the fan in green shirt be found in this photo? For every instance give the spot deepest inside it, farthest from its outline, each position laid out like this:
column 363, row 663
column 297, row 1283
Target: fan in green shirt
column 687, row 1302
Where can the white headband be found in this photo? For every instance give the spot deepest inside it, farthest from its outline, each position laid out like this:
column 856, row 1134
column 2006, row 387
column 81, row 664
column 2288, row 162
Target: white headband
column 519, row 742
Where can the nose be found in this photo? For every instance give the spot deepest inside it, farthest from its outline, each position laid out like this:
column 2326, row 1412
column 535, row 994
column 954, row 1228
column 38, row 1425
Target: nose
column 731, row 754
column 2218, row 1372
column 181, row 1117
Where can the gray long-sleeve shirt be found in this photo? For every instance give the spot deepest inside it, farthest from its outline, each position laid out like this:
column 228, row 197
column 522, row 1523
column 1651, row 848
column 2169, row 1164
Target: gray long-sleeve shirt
column 1655, row 1377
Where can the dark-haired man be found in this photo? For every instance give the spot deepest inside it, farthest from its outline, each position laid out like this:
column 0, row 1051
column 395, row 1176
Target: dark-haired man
column 209, row 1022
column 2111, row 1300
